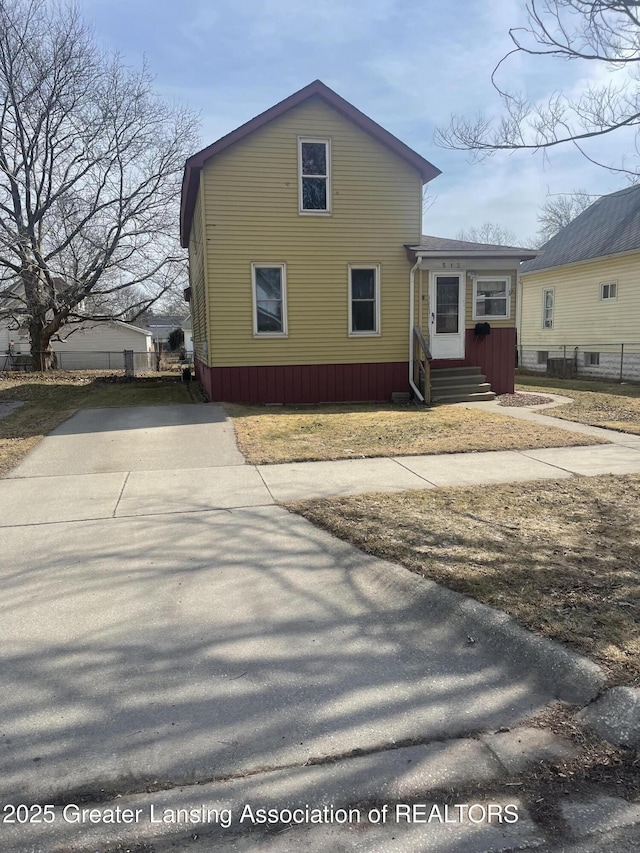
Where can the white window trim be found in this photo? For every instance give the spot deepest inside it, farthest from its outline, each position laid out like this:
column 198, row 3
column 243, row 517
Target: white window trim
column 254, row 299
column 365, row 334
column 505, row 278
column 604, row 284
column 546, row 290
column 301, row 210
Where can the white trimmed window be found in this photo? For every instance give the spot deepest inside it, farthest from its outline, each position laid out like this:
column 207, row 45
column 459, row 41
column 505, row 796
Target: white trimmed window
column 314, row 167
column 269, row 288
column 608, row 290
column 543, row 355
column 491, row 297
column 364, row 300
column 548, row 298
column 592, row 359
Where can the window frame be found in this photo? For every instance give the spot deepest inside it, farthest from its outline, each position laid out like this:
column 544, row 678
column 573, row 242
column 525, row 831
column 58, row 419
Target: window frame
column 546, row 290
column 592, row 359
column 327, row 143
column 375, row 333
column 542, row 352
column 507, row 297
column 608, row 284
column 256, row 265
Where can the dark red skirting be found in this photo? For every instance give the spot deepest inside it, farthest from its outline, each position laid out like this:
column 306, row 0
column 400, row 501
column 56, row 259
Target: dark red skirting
column 304, row 383
column 494, row 354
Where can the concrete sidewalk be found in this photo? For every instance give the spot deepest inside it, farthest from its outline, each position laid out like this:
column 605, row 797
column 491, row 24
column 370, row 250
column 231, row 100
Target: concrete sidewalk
column 181, row 459
column 169, row 629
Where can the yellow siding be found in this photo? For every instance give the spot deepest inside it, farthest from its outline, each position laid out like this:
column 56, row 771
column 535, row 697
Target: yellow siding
column 579, row 316
column 197, row 282
column 251, row 202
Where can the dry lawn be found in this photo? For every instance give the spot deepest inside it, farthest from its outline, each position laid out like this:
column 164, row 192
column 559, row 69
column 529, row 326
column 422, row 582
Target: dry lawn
column 51, row 398
column 563, row 558
column 297, row 434
column 599, row 404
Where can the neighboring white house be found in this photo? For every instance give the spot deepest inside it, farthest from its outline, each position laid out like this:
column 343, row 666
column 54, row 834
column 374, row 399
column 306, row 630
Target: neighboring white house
column 160, row 326
column 580, row 297
column 187, row 328
column 90, row 345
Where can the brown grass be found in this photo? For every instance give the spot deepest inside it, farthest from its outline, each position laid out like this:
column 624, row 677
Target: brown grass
column 297, row 434
column 563, row 558
column 50, row 398
column 601, row 404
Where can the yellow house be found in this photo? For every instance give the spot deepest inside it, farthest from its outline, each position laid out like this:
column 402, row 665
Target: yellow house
column 309, row 278
column 580, row 305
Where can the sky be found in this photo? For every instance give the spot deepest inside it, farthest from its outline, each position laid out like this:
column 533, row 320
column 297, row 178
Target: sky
column 407, row 65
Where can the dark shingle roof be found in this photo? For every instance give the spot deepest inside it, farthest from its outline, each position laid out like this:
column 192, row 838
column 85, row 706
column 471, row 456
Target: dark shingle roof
column 609, row 226
column 442, row 246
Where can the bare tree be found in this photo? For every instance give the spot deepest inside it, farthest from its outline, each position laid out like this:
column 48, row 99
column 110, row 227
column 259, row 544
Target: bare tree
column 90, row 167
column 560, row 211
column 488, row 232
column 605, row 32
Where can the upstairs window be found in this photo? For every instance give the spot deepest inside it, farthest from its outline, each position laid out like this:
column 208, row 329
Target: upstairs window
column 314, row 157
column 608, row 290
column 364, row 300
column 547, row 308
column 269, row 300
column 491, row 298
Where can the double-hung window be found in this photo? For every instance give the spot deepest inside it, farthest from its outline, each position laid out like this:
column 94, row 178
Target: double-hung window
column 547, row 308
column 314, row 159
column 491, row 297
column 364, row 300
column 269, row 300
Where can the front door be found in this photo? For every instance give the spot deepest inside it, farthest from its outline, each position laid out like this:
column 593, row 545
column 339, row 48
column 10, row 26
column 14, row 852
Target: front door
column 446, row 315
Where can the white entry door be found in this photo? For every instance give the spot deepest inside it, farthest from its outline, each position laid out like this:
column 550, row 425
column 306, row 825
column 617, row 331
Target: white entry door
column 446, row 315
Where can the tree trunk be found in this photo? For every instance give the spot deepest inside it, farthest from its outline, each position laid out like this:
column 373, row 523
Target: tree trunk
column 42, row 357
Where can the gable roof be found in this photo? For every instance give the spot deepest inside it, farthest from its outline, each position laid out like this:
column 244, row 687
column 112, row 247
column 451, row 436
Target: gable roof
column 444, row 247
column 195, row 163
column 609, row 226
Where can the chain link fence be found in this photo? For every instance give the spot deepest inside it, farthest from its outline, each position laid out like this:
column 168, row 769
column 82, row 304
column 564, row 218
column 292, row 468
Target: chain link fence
column 616, row 361
column 141, row 362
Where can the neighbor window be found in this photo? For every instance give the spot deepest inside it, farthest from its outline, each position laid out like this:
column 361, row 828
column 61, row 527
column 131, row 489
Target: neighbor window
column 592, row 359
column 269, row 299
column 547, row 308
column 543, row 355
column 364, row 300
column 314, row 158
column 491, row 298
column 608, row 290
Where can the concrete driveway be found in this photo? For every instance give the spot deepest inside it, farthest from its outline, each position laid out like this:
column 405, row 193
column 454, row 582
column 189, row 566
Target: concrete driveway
column 151, row 638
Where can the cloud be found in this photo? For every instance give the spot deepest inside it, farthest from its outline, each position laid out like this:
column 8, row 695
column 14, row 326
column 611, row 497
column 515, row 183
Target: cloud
column 409, row 64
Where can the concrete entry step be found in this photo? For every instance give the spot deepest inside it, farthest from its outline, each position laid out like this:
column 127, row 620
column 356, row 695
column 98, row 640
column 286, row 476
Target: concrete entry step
column 458, row 379
column 466, row 387
column 455, row 371
column 459, row 385
column 479, row 397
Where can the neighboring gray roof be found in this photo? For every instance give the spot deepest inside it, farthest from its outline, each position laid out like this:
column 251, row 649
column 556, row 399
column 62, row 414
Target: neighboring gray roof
column 607, row 227
column 161, row 321
column 445, row 246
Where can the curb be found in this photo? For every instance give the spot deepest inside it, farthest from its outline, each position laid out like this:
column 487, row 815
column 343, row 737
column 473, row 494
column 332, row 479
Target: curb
column 572, row 677
column 615, row 716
